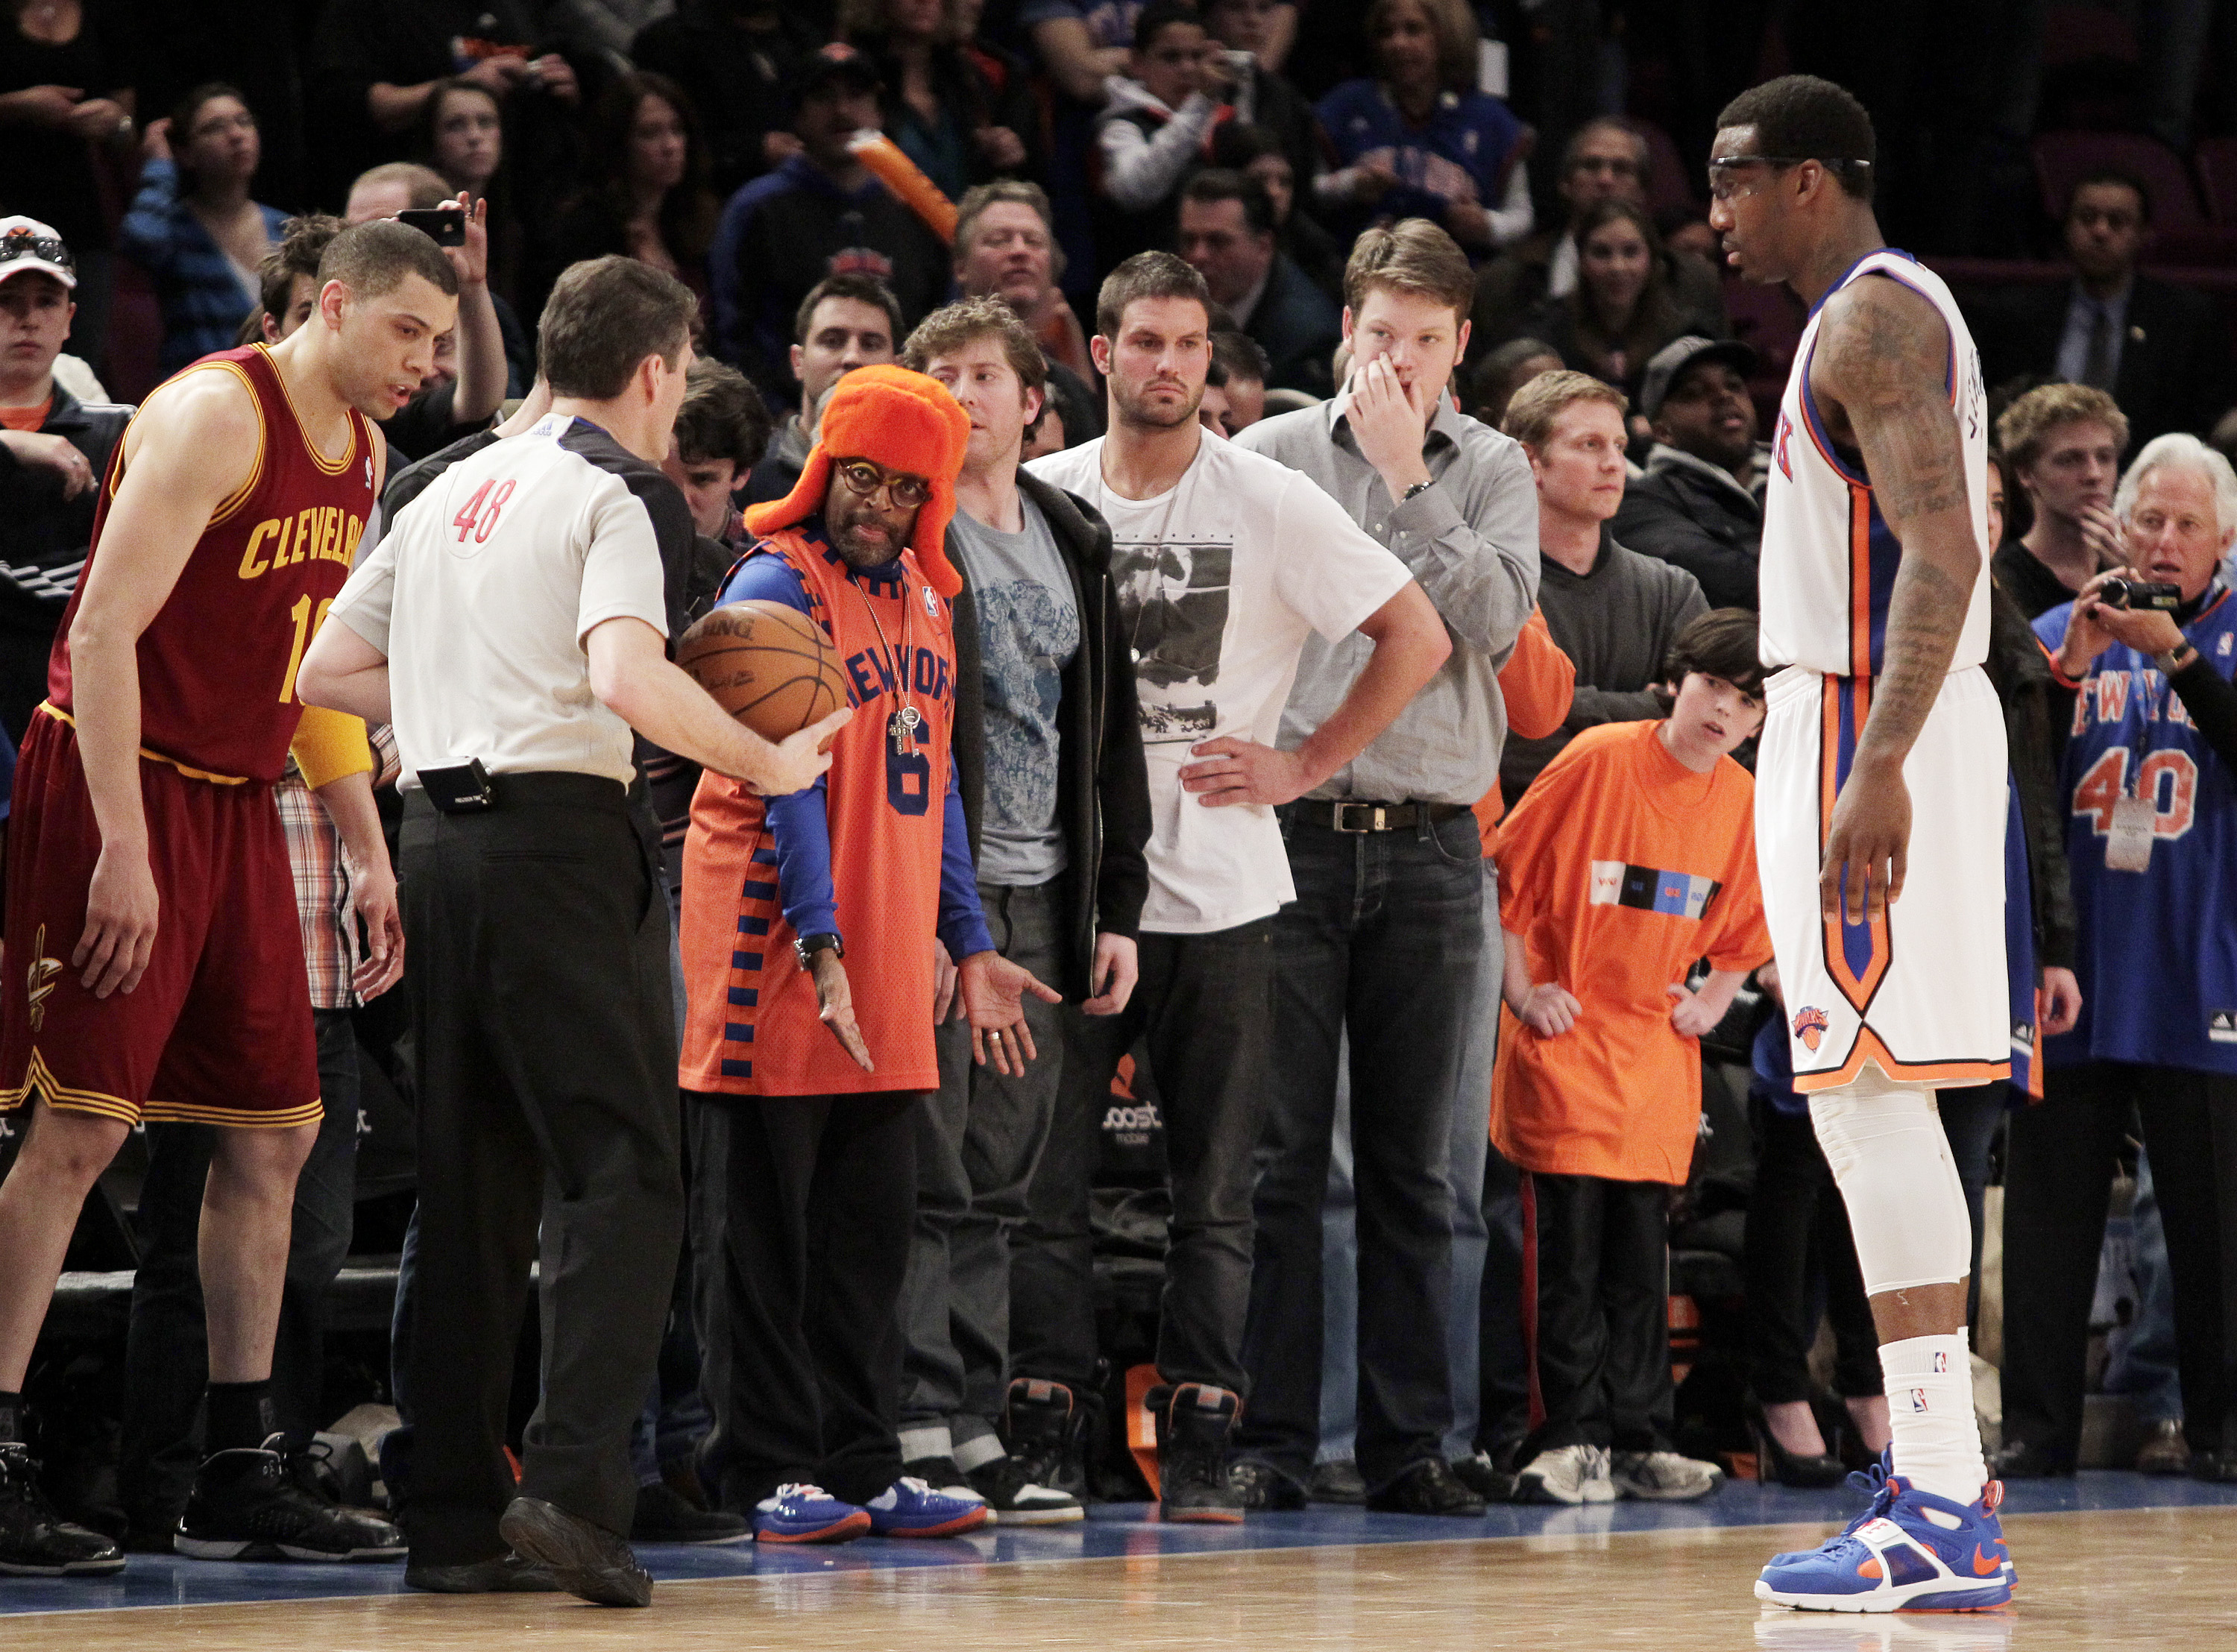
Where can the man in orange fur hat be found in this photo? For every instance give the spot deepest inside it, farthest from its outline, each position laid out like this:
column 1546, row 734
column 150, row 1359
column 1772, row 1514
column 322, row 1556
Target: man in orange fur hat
column 802, row 1091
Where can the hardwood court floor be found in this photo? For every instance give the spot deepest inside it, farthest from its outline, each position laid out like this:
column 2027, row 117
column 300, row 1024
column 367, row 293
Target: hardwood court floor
column 2154, row 1577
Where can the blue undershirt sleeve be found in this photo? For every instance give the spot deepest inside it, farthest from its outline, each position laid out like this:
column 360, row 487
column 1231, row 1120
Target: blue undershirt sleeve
column 802, row 825
column 962, row 921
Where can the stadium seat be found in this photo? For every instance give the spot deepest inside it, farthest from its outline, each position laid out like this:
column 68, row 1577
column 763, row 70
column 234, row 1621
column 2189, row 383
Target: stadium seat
column 2082, row 34
column 2181, row 233
column 1671, row 196
column 2216, row 161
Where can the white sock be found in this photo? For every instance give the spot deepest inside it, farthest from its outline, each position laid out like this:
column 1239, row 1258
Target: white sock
column 917, row 1443
column 1937, row 1440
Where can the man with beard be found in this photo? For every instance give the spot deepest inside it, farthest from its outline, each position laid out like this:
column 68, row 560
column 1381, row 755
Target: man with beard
column 1224, row 561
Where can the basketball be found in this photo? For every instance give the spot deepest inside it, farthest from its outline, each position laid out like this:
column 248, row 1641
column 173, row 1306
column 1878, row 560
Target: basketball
column 768, row 666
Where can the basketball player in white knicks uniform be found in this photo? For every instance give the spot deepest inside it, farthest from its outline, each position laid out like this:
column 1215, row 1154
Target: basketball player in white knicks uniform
column 1880, row 802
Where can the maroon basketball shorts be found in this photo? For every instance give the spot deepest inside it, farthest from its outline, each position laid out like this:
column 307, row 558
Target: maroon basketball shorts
column 218, row 1031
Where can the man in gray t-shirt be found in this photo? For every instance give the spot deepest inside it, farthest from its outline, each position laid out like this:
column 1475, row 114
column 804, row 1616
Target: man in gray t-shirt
column 1028, row 632
column 1049, row 762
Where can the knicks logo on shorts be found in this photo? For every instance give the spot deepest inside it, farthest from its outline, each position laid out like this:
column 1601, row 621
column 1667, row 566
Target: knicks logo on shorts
column 1810, row 1025
column 40, row 977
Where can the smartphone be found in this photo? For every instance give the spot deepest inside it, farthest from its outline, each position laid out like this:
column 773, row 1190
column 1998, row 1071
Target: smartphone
column 446, row 225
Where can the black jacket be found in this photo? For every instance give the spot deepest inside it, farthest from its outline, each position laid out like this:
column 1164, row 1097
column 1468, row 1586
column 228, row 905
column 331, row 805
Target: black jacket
column 2174, row 362
column 1705, row 524
column 2033, row 710
column 1103, row 794
column 43, row 537
column 1298, row 326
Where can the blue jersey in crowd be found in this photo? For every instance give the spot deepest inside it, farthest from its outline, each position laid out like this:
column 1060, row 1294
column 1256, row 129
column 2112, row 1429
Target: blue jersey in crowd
column 2156, row 953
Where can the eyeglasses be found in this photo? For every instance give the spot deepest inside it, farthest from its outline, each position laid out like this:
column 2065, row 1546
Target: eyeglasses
column 21, row 243
column 1723, row 186
column 902, row 491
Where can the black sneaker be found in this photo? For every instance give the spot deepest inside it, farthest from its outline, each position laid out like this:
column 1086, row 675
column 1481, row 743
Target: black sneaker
column 1015, row 1499
column 1425, row 1487
column 1485, row 1478
column 587, row 1561
column 1337, row 1481
column 2024, row 1460
column 35, row 1541
column 663, row 1516
column 1261, row 1485
column 1195, row 1421
column 1046, row 1431
column 249, row 1505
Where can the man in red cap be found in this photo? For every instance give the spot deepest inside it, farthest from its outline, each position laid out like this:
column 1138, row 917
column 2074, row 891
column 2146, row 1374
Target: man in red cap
column 802, row 1090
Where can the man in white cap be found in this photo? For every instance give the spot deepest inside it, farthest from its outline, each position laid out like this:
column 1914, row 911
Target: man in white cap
column 54, row 449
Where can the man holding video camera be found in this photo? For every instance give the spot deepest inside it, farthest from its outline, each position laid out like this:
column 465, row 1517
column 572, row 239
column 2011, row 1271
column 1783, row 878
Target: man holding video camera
column 2150, row 775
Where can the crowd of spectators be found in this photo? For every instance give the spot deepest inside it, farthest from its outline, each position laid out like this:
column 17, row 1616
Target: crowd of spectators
column 824, row 180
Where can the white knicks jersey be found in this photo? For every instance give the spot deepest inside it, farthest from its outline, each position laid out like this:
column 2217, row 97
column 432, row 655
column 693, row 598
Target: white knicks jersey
column 1828, row 557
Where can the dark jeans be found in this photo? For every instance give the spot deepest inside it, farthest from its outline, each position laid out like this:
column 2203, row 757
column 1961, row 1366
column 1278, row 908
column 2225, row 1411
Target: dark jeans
column 1602, row 1319
column 1383, row 940
column 2058, row 1177
column 977, row 1141
column 1205, row 1003
column 545, row 1055
column 1798, row 1248
column 801, row 1362
column 1502, row 1354
column 166, row 1347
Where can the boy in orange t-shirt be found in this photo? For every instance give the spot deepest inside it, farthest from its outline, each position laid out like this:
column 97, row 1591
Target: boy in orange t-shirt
column 1632, row 856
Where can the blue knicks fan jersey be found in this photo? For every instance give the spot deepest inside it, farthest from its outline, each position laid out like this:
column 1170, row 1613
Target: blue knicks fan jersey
column 2157, row 954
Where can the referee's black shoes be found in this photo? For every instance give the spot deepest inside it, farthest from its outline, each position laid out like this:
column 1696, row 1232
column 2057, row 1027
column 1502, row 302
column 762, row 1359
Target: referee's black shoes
column 250, row 1505
column 35, row 1541
column 589, row 1562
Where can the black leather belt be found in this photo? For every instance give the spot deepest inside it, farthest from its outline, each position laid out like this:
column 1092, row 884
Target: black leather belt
column 1348, row 815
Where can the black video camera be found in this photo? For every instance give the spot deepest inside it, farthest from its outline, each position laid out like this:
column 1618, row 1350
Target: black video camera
column 2139, row 594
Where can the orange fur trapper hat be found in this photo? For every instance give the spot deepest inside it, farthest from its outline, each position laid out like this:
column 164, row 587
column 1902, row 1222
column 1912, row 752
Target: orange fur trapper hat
column 898, row 420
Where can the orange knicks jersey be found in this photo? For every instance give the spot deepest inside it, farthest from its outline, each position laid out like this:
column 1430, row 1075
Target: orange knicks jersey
column 752, row 1028
column 217, row 664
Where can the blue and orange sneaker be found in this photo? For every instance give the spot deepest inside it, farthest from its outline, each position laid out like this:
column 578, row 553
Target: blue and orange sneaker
column 799, row 1513
column 909, row 1508
column 1894, row 1558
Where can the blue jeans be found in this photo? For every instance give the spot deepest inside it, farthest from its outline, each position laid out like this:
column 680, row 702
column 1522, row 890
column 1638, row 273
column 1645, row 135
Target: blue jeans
column 2143, row 1351
column 1383, row 942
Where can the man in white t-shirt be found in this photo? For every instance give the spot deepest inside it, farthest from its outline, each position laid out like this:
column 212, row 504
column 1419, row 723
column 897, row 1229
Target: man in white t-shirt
column 1224, row 561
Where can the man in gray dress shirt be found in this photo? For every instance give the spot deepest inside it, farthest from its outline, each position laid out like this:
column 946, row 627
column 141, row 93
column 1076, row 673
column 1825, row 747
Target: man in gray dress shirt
column 1385, row 939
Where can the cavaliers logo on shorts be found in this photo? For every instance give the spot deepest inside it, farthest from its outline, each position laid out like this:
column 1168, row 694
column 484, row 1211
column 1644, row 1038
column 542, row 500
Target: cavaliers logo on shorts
column 39, row 979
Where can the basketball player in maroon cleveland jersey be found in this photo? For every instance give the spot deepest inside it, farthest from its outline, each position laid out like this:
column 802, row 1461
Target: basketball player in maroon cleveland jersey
column 154, row 964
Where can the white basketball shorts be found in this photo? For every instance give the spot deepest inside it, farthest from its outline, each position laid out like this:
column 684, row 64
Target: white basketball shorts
column 1921, row 993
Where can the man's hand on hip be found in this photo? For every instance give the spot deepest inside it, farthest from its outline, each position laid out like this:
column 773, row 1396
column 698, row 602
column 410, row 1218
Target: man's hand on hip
column 1228, row 770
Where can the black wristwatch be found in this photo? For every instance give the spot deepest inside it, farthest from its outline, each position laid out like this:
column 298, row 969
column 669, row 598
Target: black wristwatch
column 806, row 947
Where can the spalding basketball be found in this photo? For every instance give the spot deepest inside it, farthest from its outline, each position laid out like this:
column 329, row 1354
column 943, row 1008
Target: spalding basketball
column 768, row 666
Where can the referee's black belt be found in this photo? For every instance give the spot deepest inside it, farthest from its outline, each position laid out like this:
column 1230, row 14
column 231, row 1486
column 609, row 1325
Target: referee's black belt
column 1348, row 814
column 542, row 789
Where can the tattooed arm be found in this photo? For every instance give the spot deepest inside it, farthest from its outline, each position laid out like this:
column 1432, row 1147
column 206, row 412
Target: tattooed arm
column 1881, row 376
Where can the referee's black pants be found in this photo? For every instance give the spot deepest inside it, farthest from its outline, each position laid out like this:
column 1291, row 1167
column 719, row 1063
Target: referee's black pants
column 2059, row 1165
column 545, row 1055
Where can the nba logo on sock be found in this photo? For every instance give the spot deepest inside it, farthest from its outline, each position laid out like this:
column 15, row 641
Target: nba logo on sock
column 1941, row 1364
column 1918, row 1397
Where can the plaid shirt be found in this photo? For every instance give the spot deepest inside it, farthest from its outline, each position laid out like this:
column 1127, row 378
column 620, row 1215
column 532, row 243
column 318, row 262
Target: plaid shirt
column 314, row 851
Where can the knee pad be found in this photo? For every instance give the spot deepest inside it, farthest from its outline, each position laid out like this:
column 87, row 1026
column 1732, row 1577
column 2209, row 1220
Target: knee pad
column 1891, row 1162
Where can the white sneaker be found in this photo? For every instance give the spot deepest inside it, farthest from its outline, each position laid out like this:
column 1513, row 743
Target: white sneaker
column 1663, row 1477
column 1568, row 1474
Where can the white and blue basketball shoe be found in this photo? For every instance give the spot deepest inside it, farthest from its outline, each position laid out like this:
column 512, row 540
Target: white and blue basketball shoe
column 1894, row 1558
